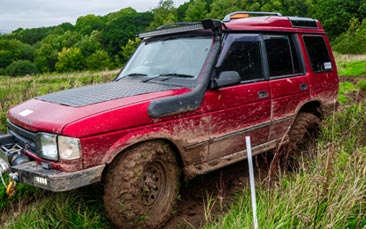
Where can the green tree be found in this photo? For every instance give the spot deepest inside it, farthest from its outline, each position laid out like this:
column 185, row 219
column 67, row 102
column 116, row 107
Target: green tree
column 87, row 24
column 46, row 55
column 335, row 15
column 88, row 45
column 69, row 60
column 21, row 68
column 121, row 27
column 130, row 48
column 13, row 50
column 354, row 40
column 197, row 10
column 165, row 13
column 98, row 60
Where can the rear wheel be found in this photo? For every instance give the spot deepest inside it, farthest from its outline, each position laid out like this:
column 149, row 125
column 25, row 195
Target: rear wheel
column 142, row 186
column 301, row 141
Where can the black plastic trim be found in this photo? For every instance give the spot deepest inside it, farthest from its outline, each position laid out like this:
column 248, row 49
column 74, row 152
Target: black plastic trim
column 191, row 100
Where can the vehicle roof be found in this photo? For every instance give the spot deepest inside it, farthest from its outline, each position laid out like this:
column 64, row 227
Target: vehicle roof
column 274, row 23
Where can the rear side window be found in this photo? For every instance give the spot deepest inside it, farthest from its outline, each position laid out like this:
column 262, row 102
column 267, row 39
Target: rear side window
column 318, row 53
column 282, row 55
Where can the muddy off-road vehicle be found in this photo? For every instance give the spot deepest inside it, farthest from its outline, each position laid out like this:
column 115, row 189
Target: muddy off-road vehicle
column 181, row 106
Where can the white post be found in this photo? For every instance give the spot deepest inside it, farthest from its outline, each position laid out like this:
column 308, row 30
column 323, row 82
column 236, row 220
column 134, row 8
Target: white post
column 251, row 178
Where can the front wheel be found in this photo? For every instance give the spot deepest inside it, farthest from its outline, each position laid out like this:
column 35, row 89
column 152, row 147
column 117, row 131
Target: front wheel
column 142, row 185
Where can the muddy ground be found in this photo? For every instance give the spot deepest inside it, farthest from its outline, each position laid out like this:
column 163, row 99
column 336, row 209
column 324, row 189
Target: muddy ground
column 221, row 184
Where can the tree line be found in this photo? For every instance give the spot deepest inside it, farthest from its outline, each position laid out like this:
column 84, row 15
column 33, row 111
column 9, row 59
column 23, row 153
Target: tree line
column 101, row 42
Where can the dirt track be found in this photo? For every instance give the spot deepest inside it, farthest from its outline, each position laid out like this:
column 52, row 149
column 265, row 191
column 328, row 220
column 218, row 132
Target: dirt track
column 220, row 184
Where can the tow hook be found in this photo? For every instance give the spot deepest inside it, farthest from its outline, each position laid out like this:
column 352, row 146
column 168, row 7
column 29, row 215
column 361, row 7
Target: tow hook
column 11, row 189
column 14, row 178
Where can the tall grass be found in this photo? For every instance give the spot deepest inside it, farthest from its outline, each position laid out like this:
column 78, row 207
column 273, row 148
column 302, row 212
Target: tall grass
column 82, row 208
column 16, row 90
column 328, row 191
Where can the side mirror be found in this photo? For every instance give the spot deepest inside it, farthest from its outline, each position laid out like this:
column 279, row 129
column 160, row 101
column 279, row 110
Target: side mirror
column 226, row 78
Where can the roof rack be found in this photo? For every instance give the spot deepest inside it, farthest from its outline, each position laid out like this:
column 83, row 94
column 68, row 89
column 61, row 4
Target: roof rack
column 245, row 14
column 181, row 27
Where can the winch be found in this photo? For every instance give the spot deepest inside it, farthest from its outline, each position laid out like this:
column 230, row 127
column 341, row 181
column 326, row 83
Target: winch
column 12, row 155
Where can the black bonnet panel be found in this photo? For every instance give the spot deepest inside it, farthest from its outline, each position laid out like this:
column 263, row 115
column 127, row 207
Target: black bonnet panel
column 88, row 95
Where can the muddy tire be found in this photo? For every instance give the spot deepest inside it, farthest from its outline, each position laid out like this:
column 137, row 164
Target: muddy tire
column 141, row 186
column 299, row 144
column 302, row 138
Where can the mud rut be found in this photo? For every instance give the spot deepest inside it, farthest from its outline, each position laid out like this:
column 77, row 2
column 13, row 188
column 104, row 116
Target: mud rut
column 220, row 184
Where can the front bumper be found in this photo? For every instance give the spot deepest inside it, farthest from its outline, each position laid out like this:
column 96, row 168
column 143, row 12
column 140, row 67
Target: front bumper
column 54, row 180
column 33, row 174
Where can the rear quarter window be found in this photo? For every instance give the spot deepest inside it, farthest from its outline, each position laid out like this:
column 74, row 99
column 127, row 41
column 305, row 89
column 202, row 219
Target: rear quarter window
column 318, row 53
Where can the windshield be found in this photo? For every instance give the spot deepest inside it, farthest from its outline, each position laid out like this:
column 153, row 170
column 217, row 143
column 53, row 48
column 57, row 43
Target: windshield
column 181, row 57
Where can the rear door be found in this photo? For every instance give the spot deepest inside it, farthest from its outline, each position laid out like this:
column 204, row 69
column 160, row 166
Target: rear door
column 289, row 84
column 323, row 78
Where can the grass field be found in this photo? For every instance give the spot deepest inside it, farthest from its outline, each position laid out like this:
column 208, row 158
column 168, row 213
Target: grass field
column 329, row 192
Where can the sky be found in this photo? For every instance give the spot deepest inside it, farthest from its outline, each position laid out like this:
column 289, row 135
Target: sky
column 41, row 13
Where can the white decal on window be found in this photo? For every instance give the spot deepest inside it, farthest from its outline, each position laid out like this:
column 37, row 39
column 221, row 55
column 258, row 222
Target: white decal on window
column 327, row 65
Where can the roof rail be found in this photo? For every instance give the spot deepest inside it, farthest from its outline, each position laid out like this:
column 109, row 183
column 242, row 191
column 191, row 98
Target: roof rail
column 244, row 14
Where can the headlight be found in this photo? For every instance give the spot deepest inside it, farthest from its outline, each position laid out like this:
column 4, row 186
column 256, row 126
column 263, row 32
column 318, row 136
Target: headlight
column 49, row 146
column 53, row 147
column 69, row 148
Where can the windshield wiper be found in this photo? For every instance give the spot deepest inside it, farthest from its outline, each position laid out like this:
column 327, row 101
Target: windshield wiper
column 178, row 75
column 135, row 74
column 131, row 75
column 169, row 76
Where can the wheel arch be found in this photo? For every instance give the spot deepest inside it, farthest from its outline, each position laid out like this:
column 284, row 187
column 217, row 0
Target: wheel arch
column 112, row 155
column 314, row 107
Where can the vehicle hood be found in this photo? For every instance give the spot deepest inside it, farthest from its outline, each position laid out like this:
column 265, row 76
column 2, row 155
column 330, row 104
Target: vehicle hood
column 52, row 112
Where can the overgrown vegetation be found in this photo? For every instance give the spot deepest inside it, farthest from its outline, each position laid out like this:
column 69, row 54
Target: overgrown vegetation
column 100, row 42
column 16, row 90
column 327, row 192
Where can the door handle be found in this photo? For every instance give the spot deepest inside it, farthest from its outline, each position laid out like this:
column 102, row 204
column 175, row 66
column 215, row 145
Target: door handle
column 303, row 86
column 262, row 94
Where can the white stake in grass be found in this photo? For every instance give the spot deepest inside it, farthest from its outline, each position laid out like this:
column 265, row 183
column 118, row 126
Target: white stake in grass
column 251, row 178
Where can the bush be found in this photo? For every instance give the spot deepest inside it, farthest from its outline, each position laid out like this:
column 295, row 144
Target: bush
column 21, row 68
column 354, row 40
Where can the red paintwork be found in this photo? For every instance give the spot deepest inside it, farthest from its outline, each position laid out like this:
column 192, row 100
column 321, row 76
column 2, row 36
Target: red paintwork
column 216, row 129
column 49, row 117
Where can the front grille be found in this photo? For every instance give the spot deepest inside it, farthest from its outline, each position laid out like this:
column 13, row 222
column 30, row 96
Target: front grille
column 27, row 139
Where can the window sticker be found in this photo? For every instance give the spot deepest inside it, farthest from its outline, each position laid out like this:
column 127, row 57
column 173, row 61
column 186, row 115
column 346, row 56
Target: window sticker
column 327, row 65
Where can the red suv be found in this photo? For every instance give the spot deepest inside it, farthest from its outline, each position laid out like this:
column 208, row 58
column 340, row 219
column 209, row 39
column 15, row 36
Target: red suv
column 181, row 106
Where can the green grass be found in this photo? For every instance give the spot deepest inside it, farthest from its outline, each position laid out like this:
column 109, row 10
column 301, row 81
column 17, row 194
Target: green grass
column 82, row 208
column 330, row 192
column 353, row 68
column 346, row 88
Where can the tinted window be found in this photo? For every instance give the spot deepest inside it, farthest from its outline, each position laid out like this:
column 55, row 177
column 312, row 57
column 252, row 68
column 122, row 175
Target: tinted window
column 282, row 55
column 244, row 57
column 318, row 53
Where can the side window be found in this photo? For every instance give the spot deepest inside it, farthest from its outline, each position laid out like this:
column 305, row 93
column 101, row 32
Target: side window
column 244, row 57
column 318, row 53
column 282, row 55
